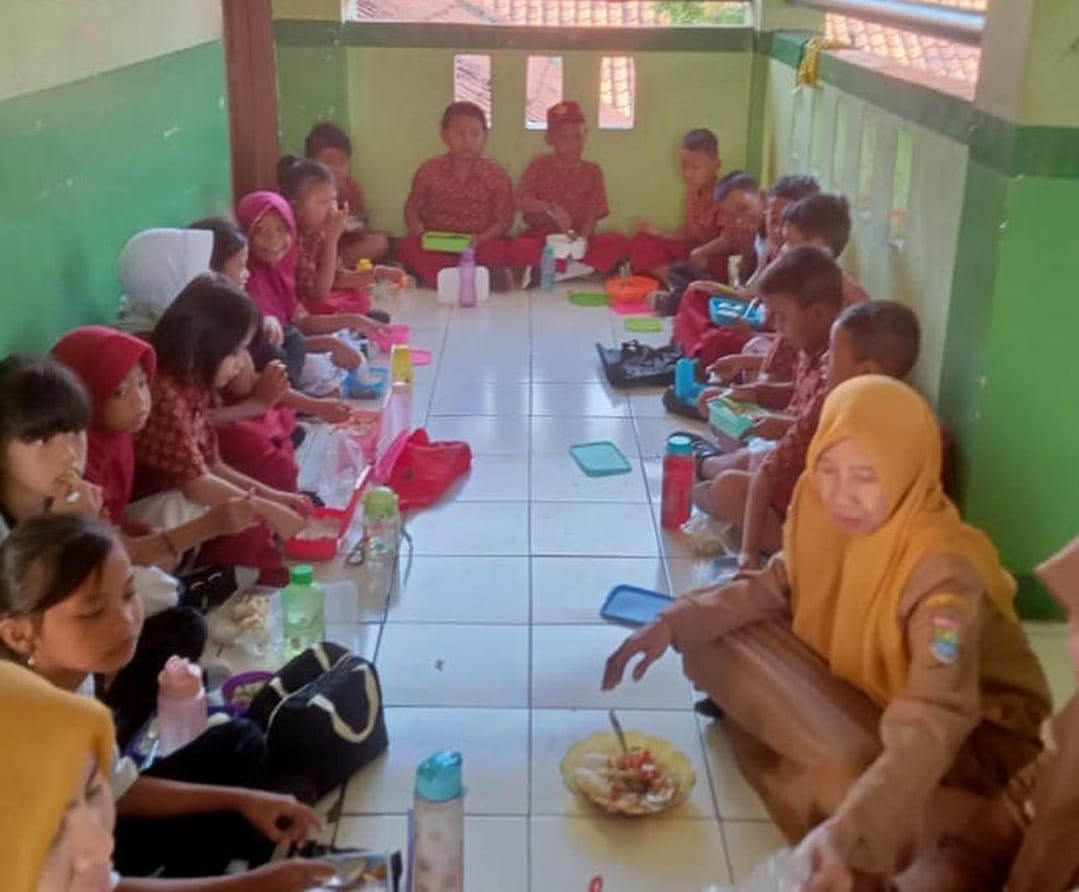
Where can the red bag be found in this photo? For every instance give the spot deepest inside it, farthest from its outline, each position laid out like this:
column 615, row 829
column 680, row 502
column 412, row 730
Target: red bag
column 425, row 470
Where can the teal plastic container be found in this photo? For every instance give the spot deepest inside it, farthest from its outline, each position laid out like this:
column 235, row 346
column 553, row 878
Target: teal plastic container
column 303, row 603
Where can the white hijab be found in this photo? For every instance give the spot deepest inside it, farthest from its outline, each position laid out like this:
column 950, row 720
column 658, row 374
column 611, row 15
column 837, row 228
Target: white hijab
column 155, row 265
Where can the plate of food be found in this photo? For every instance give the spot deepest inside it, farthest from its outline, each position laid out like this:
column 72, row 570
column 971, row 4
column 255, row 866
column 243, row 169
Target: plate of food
column 648, row 777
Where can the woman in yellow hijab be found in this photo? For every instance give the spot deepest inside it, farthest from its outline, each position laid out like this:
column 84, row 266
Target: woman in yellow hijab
column 56, row 750
column 875, row 673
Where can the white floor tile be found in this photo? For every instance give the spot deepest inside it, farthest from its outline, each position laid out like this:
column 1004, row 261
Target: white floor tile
column 735, row 798
column 749, row 843
column 582, row 528
column 485, row 434
column 465, row 397
column 572, row 589
column 647, row 402
column 454, row 665
column 557, row 478
column 555, row 434
column 573, row 363
column 493, row 478
column 493, row 744
column 630, row 856
column 463, row 590
column 554, row 731
column 591, row 399
column 567, row 671
column 482, row 368
column 480, row 528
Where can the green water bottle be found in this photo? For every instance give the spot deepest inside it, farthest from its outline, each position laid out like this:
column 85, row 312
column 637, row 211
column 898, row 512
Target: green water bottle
column 303, row 602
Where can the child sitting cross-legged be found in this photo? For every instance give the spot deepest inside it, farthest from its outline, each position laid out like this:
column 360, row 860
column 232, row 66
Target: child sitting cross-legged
column 873, row 337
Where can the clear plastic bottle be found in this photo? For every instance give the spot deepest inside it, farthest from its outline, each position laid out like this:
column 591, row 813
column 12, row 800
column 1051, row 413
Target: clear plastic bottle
column 547, row 269
column 381, row 524
column 181, row 704
column 437, row 858
column 676, row 501
column 466, row 284
column 303, row 602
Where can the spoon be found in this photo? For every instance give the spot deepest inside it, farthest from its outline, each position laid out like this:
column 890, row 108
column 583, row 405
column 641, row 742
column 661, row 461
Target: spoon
column 618, row 732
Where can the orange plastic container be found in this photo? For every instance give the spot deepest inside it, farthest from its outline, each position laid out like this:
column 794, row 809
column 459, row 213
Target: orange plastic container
column 630, row 289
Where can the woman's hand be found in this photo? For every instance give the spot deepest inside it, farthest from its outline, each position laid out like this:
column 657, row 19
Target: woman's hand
column 277, row 817
column 272, row 331
column 826, row 851
column 652, row 642
column 77, row 496
column 748, row 561
column 271, row 385
column 294, row 875
column 343, row 356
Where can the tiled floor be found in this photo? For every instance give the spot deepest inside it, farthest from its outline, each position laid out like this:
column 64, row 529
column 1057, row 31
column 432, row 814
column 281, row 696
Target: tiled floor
column 491, row 642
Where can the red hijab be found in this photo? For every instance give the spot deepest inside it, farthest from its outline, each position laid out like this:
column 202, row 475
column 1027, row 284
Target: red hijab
column 101, row 357
column 273, row 288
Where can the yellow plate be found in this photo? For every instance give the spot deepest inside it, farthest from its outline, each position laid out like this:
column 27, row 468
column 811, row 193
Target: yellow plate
column 674, row 763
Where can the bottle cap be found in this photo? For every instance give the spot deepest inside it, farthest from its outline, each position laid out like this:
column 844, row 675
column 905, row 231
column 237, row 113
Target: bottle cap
column 301, row 574
column 468, row 255
column 380, row 502
column 438, row 778
column 677, row 444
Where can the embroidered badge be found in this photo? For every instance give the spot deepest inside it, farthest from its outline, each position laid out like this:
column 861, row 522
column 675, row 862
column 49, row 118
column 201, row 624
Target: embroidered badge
column 945, row 645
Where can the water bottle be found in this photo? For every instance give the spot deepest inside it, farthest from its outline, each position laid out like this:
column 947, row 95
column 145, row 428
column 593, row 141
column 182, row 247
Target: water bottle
column 686, row 387
column 466, row 282
column 437, row 857
column 181, row 704
column 678, row 474
column 303, row 602
column 547, row 269
column 381, row 524
column 401, row 366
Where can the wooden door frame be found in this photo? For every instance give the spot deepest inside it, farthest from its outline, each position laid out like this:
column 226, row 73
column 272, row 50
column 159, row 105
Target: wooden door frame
column 252, row 93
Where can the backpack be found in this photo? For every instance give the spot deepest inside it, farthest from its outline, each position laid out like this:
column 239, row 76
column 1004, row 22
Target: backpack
column 322, row 714
column 425, row 469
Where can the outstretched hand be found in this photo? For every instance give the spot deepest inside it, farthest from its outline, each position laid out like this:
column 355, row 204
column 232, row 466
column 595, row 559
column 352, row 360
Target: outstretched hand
column 651, row 643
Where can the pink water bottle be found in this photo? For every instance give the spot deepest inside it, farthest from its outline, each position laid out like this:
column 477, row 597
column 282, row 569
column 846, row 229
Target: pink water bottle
column 181, row 704
column 678, row 474
column 466, row 284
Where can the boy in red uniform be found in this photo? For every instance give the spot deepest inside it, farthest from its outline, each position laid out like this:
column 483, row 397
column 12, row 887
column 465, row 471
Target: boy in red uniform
column 651, row 251
column 561, row 192
column 461, row 192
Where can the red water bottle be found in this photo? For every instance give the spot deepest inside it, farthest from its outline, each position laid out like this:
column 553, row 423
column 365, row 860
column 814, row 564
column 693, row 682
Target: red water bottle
column 678, row 473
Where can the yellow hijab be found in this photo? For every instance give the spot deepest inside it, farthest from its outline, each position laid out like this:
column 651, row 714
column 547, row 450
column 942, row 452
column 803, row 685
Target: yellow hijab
column 47, row 734
column 846, row 589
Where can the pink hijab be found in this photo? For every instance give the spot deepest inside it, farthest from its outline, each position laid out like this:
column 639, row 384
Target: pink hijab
column 273, row 288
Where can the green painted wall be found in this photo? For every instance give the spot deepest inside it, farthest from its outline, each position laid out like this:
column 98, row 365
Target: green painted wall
column 89, row 163
column 396, row 96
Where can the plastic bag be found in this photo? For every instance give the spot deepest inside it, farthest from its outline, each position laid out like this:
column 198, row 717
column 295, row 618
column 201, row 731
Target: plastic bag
column 343, row 460
column 782, row 871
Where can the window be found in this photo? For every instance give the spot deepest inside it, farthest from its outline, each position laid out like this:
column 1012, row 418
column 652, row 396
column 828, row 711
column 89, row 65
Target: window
column 904, row 159
column 557, row 13
column 617, row 92
column 543, row 88
column 472, row 82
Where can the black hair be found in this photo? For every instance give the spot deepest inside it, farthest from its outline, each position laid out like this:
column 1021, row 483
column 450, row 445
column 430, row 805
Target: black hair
column 823, row 216
column 209, row 321
column 228, row 240
column 326, row 135
column 39, row 398
column 807, row 275
column 794, row 187
column 463, row 110
column 45, row 560
column 701, row 139
column 885, row 332
column 296, row 175
column 735, row 181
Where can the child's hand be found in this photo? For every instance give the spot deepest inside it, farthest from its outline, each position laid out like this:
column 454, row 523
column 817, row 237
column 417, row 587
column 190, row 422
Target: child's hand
column 353, row 279
column 743, row 393
column 271, row 385
column 285, row 522
column 344, row 357
column 368, row 326
column 336, row 222
column 651, row 642
column 77, row 496
column 561, row 217
column 277, row 817
column 393, row 274
column 272, row 331
column 294, row 502
column 332, row 411
column 232, row 516
column 293, row 875
column 698, row 258
column 727, row 368
column 768, row 427
column 706, row 396
column 748, row 561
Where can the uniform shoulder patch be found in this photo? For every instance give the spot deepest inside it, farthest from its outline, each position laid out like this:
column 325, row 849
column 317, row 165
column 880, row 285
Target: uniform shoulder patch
column 946, row 639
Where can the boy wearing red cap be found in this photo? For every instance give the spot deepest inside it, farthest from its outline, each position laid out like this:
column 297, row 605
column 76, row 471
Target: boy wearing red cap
column 561, row 192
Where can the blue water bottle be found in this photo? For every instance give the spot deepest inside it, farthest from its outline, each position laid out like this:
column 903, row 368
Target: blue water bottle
column 436, row 852
column 466, row 283
column 547, row 269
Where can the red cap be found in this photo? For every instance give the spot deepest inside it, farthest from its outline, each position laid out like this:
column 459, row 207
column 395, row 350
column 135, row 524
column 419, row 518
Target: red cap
column 568, row 112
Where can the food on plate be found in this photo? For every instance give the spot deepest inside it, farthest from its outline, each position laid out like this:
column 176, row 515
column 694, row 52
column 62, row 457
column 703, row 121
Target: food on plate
column 631, row 783
column 320, row 528
column 251, row 613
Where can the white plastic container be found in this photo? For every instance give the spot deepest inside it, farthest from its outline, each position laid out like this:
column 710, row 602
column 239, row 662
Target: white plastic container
column 566, row 248
column 449, row 281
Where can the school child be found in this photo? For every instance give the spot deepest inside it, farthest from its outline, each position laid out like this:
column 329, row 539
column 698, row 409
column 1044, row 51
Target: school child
column 463, row 192
column 823, row 221
column 267, row 220
column 58, row 814
column 323, row 285
column 870, row 338
column 652, row 251
column 200, row 342
column 561, row 192
column 875, row 677
column 328, row 143
column 69, row 612
column 154, row 267
column 230, row 259
column 44, row 416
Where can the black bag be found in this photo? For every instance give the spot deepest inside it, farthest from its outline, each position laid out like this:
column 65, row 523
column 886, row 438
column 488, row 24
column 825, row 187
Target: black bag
column 637, row 365
column 322, row 714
